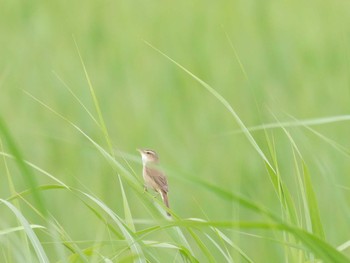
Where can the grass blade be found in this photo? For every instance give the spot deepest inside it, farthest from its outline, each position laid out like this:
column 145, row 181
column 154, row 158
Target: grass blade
column 127, row 212
column 315, row 218
column 295, row 123
column 18, row 228
column 29, row 231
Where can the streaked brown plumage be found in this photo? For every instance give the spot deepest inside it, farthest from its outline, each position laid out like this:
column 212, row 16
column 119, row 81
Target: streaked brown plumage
column 153, row 177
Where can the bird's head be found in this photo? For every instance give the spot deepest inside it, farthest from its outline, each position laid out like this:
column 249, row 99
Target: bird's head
column 148, row 156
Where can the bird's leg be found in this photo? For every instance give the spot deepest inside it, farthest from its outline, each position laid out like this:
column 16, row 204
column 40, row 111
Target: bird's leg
column 145, row 189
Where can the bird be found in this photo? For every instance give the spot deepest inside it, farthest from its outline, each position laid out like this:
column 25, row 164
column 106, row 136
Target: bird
column 153, row 177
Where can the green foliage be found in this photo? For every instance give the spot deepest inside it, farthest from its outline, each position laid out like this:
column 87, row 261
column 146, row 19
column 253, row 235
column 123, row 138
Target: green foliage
column 262, row 179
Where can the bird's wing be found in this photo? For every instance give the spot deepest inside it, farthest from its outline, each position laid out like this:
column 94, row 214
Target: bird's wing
column 160, row 179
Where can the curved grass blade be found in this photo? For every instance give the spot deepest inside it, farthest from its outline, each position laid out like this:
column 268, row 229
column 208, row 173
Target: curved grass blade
column 127, row 212
column 29, row 231
column 315, row 217
column 344, row 246
column 183, row 250
column 329, row 141
column 296, row 123
column 17, row 229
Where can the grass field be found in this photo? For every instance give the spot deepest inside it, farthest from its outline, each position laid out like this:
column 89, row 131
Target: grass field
column 247, row 104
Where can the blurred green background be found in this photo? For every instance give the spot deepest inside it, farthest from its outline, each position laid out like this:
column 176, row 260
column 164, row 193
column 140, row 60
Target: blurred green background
column 295, row 59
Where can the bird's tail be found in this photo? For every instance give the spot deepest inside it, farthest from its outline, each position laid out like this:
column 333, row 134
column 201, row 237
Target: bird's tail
column 165, row 200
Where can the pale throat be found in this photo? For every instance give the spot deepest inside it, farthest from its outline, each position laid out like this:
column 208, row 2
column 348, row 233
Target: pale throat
column 144, row 159
column 147, row 162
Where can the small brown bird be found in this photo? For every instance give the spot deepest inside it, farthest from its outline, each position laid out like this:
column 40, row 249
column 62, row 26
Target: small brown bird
column 153, row 177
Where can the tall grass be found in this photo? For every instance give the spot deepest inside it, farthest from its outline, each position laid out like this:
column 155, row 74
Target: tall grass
column 243, row 188
column 308, row 238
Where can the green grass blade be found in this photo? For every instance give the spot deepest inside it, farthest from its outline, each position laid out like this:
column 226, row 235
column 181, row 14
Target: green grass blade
column 344, row 246
column 288, row 208
column 40, row 252
column 9, row 177
column 127, row 212
column 184, row 251
column 285, row 197
column 342, row 149
column 236, row 56
column 295, row 123
column 17, row 229
column 317, row 227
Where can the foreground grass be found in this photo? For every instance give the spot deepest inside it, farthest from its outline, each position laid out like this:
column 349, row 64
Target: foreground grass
column 190, row 239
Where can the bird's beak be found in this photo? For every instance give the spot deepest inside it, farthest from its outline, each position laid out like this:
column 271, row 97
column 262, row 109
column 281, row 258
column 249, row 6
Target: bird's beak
column 139, row 150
